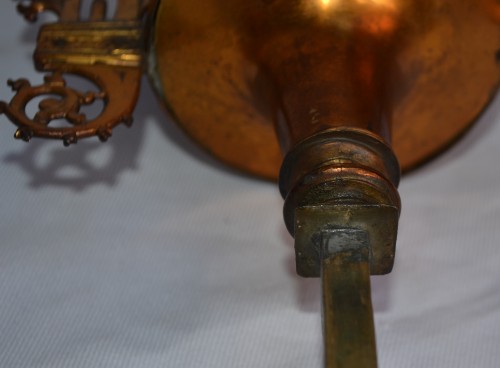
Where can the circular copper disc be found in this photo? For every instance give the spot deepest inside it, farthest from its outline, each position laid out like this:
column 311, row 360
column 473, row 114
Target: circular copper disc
column 447, row 71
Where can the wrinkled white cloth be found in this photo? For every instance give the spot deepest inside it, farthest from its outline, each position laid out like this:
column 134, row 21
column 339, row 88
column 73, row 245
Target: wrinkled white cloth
column 144, row 252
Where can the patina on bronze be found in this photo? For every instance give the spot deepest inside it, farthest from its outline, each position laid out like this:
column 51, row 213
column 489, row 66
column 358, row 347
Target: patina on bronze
column 109, row 53
column 345, row 90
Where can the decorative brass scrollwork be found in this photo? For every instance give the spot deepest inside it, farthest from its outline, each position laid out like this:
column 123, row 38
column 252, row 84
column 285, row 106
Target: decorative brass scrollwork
column 109, row 53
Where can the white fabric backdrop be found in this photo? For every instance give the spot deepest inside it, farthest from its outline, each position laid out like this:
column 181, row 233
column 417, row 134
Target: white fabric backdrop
column 143, row 252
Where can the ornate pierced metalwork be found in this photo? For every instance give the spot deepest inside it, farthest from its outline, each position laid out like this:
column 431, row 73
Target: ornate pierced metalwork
column 109, row 53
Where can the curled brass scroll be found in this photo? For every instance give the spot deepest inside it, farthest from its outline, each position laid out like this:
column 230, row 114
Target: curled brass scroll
column 108, row 53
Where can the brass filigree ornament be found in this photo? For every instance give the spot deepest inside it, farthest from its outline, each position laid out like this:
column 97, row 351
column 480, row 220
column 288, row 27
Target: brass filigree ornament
column 67, row 107
column 108, row 53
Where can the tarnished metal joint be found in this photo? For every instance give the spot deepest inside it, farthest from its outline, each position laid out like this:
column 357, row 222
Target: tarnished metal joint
column 339, row 166
column 343, row 178
column 337, row 240
column 379, row 222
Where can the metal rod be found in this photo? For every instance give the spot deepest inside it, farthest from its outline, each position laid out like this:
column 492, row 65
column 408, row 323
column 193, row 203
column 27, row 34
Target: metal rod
column 349, row 332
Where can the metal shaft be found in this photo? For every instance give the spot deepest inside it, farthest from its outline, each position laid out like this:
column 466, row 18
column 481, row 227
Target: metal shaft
column 349, row 332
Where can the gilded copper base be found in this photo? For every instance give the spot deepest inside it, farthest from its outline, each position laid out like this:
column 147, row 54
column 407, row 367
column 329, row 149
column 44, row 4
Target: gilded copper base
column 446, row 71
